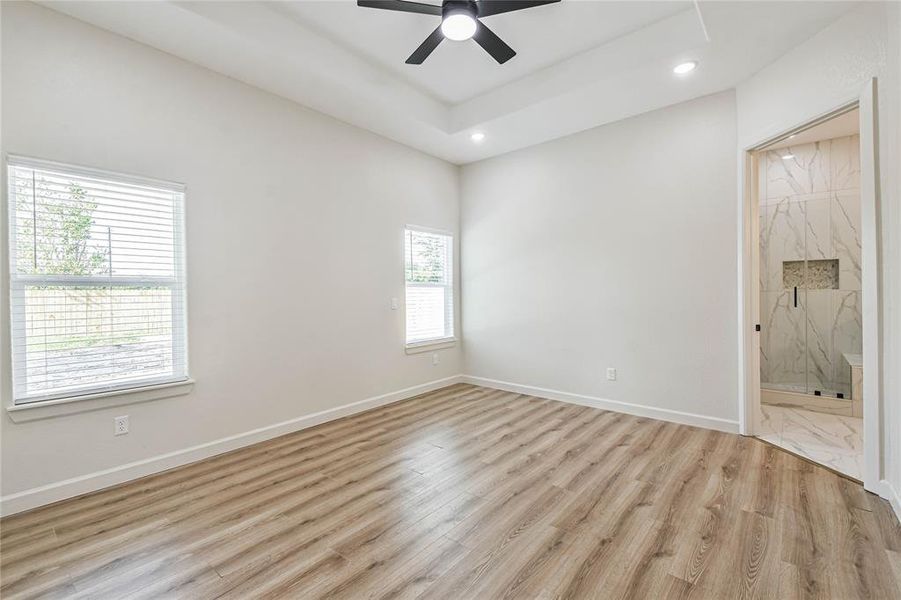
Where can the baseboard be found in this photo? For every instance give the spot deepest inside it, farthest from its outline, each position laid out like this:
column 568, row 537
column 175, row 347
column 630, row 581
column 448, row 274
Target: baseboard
column 639, row 410
column 889, row 492
column 69, row 488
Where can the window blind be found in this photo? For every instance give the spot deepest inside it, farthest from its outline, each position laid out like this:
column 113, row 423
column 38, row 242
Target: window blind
column 97, row 281
column 429, row 286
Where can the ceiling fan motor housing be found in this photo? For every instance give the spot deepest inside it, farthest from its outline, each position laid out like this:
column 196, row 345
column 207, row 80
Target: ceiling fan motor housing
column 455, row 7
column 459, row 22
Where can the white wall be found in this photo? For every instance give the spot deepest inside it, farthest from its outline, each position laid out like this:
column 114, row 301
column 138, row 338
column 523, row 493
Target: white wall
column 295, row 237
column 614, row 247
column 819, row 75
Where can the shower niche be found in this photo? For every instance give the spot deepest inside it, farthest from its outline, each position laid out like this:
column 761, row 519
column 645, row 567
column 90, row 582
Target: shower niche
column 810, row 274
column 810, row 280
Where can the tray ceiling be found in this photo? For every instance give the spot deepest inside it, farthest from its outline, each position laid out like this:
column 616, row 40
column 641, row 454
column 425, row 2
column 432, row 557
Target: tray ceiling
column 580, row 63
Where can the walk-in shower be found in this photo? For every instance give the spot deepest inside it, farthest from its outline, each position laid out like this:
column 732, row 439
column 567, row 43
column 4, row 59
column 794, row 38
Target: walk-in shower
column 810, row 272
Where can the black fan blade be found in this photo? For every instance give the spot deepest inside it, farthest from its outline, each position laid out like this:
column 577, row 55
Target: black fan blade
column 402, row 6
column 495, row 7
column 426, row 48
column 492, row 44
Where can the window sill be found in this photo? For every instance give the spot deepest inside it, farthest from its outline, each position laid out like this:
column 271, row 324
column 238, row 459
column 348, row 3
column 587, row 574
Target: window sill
column 21, row 413
column 430, row 345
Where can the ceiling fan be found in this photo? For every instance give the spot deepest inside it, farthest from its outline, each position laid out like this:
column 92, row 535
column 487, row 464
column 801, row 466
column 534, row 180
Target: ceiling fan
column 459, row 21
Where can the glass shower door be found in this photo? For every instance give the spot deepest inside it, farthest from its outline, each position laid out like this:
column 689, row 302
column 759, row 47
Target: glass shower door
column 783, row 254
column 810, row 257
column 820, row 279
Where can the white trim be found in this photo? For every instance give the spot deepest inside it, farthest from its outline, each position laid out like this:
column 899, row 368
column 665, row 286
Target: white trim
column 434, row 230
column 640, row 410
column 69, row 405
column 871, row 290
column 39, row 496
column 749, row 394
column 748, row 344
column 701, row 20
column 748, row 305
column 887, row 491
column 180, row 318
column 28, row 162
column 427, row 345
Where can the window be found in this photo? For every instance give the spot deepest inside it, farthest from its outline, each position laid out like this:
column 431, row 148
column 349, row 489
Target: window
column 430, row 286
column 97, row 281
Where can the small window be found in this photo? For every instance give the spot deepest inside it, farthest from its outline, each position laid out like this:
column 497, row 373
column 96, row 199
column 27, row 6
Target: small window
column 430, row 286
column 97, row 281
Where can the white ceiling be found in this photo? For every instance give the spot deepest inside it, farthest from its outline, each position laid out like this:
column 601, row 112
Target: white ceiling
column 387, row 39
column 580, row 63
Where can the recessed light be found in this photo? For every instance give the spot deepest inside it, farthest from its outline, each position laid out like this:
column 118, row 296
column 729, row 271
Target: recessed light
column 787, row 156
column 478, row 137
column 686, row 67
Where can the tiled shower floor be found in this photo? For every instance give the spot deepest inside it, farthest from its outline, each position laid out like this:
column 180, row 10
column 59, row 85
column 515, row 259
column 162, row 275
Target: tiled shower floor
column 831, row 440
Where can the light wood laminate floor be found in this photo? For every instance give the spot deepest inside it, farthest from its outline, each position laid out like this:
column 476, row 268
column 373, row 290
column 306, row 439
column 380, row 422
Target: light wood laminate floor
column 466, row 493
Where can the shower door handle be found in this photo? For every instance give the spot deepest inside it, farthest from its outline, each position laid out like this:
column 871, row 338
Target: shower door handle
column 796, row 296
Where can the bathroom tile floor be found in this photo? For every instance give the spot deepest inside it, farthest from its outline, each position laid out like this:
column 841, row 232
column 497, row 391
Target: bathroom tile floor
column 831, row 440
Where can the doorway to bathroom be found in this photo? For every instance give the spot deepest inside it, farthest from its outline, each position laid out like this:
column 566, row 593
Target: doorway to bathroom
column 809, row 296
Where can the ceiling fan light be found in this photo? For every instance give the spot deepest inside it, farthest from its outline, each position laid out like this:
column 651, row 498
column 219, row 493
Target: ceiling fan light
column 458, row 26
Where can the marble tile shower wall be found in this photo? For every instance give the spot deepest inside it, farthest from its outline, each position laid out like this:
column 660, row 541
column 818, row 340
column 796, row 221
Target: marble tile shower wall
column 810, row 209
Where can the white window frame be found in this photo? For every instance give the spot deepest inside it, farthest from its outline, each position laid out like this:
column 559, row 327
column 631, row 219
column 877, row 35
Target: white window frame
column 144, row 389
column 445, row 341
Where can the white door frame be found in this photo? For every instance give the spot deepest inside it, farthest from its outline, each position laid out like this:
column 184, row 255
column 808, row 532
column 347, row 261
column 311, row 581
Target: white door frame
column 749, row 283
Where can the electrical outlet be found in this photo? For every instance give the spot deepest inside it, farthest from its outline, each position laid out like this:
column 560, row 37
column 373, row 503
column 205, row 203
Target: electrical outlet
column 120, row 425
column 435, row 358
column 394, row 304
column 611, row 374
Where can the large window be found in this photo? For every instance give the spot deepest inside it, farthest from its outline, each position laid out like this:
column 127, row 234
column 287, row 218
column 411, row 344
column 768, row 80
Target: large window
column 97, row 281
column 430, row 286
